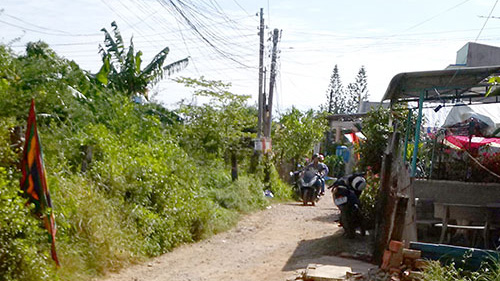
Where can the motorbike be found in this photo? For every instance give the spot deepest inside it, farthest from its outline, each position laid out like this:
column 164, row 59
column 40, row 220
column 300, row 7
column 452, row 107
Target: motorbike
column 307, row 185
column 346, row 194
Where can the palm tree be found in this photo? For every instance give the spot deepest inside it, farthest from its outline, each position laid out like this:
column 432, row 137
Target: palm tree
column 122, row 71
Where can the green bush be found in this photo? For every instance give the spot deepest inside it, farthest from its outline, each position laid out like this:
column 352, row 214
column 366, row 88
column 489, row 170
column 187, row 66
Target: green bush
column 336, row 165
column 244, row 195
column 489, row 271
column 24, row 246
column 152, row 181
column 368, row 199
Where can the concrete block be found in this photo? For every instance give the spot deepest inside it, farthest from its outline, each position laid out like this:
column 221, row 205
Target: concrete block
column 320, row 272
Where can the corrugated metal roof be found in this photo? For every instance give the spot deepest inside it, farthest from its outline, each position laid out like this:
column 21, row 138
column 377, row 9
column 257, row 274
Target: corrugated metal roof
column 467, row 82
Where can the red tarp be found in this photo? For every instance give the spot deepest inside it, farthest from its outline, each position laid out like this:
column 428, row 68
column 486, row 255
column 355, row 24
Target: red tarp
column 461, row 142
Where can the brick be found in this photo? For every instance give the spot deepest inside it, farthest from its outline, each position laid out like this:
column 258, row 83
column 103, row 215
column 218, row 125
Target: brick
column 396, row 259
column 395, row 246
column 412, row 254
column 386, row 259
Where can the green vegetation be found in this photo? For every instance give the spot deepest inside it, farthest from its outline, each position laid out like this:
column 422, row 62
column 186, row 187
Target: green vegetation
column 121, row 69
column 451, row 272
column 128, row 181
column 296, row 135
column 377, row 130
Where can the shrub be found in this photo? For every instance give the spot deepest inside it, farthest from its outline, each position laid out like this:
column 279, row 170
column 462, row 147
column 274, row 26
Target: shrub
column 24, row 244
column 336, row 165
column 489, row 271
column 368, row 198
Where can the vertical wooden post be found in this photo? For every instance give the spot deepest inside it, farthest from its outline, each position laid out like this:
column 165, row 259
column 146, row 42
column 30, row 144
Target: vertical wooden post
column 399, row 219
column 385, row 202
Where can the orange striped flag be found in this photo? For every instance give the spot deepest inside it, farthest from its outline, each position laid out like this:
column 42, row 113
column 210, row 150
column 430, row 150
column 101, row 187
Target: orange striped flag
column 33, row 181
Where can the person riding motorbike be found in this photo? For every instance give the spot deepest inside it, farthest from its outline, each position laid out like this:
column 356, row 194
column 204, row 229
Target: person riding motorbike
column 321, row 169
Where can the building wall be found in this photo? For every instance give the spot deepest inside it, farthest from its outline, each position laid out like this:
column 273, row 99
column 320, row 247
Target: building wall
column 474, row 54
column 457, row 192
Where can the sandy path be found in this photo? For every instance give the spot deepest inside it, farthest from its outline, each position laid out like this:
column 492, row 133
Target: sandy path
column 272, row 244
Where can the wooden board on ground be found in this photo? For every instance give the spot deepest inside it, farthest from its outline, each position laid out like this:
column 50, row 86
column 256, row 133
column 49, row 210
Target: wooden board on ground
column 319, row 272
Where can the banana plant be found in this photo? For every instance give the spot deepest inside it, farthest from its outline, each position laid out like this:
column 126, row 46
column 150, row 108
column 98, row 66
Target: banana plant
column 121, row 68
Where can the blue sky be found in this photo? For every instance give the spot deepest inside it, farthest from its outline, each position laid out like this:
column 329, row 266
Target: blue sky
column 387, row 37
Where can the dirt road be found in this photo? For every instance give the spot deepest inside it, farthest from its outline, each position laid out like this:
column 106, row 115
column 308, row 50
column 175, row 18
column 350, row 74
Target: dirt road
column 272, row 244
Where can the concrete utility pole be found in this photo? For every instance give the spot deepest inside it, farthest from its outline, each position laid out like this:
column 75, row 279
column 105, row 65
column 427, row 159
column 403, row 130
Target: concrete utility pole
column 272, row 80
column 261, row 100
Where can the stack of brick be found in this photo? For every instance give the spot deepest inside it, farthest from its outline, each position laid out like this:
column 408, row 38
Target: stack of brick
column 403, row 264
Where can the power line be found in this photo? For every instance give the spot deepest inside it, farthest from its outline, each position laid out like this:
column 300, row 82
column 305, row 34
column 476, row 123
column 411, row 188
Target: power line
column 486, row 21
column 436, row 15
column 188, row 14
column 44, row 30
column 418, row 24
column 243, row 9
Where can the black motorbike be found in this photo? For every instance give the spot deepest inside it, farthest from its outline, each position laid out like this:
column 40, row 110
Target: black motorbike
column 346, row 196
column 307, row 185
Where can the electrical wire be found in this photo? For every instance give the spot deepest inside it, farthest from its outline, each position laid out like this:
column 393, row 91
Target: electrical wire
column 486, row 21
column 191, row 16
column 63, row 33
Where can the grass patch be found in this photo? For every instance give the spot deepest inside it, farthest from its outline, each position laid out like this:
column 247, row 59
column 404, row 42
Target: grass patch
column 489, row 271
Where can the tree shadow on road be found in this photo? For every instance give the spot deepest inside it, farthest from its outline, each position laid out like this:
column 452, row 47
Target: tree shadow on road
column 325, row 250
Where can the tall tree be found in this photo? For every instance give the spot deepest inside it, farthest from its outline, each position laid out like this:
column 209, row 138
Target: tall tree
column 351, row 99
column 358, row 91
column 335, row 94
column 121, row 68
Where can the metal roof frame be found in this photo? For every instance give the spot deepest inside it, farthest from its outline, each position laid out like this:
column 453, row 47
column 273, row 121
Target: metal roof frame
column 469, row 83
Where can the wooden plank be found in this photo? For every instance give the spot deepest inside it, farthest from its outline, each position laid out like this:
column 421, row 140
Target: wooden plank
column 385, row 202
column 408, row 190
column 399, row 219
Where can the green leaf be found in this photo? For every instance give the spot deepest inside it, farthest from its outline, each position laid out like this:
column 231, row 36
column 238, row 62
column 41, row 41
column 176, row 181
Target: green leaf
column 102, row 75
column 492, row 92
column 138, row 62
column 494, row 80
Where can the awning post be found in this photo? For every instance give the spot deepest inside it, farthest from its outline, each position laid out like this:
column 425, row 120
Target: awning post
column 407, row 135
column 417, row 135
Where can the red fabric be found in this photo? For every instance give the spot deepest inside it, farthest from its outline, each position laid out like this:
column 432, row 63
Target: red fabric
column 33, row 181
column 475, row 143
